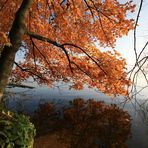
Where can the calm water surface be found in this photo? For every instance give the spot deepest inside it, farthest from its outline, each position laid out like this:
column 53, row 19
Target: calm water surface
column 27, row 100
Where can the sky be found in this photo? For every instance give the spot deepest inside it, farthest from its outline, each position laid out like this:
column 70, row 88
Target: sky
column 125, row 45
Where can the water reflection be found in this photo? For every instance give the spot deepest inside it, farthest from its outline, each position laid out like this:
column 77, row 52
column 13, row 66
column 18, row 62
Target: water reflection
column 85, row 124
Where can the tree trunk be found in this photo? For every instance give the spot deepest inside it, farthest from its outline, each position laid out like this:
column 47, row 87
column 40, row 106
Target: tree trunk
column 8, row 53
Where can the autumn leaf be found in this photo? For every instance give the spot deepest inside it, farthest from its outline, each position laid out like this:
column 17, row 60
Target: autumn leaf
column 59, row 42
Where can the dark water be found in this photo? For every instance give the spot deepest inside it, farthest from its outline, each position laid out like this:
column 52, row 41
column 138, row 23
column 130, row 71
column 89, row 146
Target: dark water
column 28, row 100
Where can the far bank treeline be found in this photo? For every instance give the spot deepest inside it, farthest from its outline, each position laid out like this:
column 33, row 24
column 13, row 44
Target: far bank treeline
column 58, row 40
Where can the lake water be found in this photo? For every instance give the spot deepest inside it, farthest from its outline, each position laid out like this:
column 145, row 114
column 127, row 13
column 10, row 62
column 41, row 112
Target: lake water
column 27, row 100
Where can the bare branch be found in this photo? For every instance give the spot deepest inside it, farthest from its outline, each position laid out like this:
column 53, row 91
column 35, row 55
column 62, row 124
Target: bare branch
column 135, row 28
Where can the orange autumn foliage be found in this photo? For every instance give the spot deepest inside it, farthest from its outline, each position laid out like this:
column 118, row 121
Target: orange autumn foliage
column 59, row 43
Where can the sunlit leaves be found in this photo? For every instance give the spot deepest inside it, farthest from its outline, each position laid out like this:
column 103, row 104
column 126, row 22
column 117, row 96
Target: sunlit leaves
column 76, row 22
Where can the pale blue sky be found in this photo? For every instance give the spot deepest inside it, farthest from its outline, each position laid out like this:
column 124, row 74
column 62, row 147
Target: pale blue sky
column 125, row 44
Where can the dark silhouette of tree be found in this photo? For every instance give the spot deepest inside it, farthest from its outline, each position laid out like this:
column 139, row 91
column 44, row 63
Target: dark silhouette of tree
column 87, row 124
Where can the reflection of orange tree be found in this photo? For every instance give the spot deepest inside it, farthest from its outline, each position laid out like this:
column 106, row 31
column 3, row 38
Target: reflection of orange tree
column 87, row 124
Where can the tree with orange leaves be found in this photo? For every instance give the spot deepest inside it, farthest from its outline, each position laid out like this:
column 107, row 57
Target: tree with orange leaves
column 58, row 38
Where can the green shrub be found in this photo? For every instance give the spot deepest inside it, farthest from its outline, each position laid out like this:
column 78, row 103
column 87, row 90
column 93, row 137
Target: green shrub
column 16, row 130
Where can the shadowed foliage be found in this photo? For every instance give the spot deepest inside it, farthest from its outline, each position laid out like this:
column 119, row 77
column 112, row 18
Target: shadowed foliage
column 87, row 124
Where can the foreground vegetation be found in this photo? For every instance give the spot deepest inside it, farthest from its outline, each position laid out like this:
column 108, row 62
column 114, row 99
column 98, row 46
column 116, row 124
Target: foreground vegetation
column 16, row 130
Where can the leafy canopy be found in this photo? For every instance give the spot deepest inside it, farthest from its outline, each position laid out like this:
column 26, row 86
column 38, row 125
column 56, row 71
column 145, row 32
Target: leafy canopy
column 60, row 42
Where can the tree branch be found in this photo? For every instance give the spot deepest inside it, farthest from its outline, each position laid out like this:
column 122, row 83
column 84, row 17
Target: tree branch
column 28, row 70
column 62, row 46
column 135, row 28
